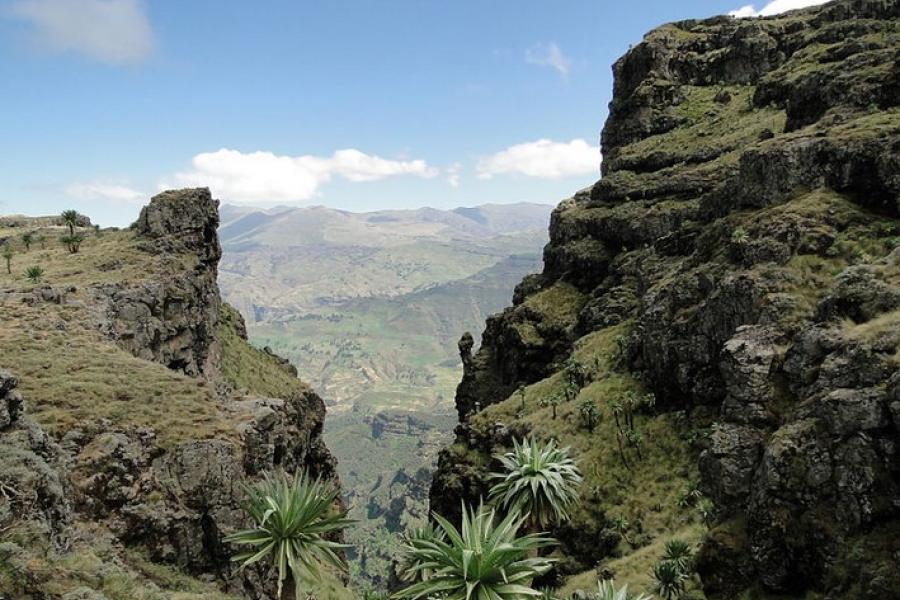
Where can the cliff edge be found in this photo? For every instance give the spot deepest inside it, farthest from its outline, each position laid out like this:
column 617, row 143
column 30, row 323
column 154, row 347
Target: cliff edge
column 737, row 268
column 133, row 409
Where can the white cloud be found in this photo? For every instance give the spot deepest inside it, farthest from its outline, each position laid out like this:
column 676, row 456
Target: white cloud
column 264, row 177
column 544, row 158
column 105, row 190
column 453, row 172
column 776, row 7
column 549, row 55
column 111, row 31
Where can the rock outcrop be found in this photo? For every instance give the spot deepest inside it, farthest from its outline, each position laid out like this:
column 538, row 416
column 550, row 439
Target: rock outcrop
column 174, row 498
column 171, row 320
column 745, row 231
column 33, row 484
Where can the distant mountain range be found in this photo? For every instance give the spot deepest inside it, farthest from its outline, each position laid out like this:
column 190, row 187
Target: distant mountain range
column 369, row 307
column 282, row 225
column 315, row 257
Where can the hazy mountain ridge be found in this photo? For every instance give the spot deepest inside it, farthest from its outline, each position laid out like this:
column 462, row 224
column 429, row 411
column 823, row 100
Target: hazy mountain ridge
column 318, row 224
column 316, row 257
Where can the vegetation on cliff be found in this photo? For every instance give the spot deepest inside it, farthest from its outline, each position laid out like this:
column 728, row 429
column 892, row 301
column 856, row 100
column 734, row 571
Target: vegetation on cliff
column 734, row 280
column 146, row 408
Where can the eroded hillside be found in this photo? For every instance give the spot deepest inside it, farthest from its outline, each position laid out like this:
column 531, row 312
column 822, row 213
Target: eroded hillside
column 736, row 275
column 132, row 408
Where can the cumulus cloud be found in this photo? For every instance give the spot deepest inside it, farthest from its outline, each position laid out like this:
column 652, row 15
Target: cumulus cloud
column 453, row 172
column 264, row 177
column 775, row 7
column 111, row 31
column 544, row 158
column 549, row 55
column 104, row 190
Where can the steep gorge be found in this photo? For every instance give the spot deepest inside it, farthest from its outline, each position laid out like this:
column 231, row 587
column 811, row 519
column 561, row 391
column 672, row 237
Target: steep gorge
column 739, row 262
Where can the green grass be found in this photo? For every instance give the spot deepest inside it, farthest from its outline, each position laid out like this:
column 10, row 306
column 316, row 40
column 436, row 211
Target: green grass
column 709, row 127
column 92, row 562
column 250, row 369
column 70, row 374
column 647, row 494
column 110, row 256
column 557, row 305
column 72, row 377
column 634, row 567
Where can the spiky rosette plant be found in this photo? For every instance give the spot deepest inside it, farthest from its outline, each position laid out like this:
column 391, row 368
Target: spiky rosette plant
column 607, row 590
column 670, row 580
column 410, row 567
column 482, row 559
column 540, row 481
column 34, row 274
column 70, row 220
column 679, row 553
column 293, row 516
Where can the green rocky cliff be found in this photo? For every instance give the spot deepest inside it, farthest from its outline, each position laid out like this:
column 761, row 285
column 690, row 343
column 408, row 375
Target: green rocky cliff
column 131, row 410
column 738, row 268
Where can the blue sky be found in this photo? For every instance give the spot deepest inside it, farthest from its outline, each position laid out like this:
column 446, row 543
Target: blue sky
column 358, row 105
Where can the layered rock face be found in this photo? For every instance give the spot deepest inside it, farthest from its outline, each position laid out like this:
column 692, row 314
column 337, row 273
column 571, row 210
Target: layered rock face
column 172, row 321
column 175, row 500
column 33, row 487
column 746, row 232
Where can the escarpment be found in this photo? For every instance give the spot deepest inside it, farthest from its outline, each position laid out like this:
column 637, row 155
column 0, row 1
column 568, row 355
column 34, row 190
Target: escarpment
column 739, row 261
column 172, row 319
column 147, row 410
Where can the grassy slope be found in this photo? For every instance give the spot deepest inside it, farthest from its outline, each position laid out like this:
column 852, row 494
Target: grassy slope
column 647, row 496
column 93, row 562
column 250, row 369
column 72, row 377
column 70, row 374
column 110, row 256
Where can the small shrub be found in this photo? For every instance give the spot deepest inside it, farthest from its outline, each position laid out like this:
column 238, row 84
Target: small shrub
column 587, row 411
column 553, row 400
column 690, row 495
column 484, row 558
column 539, row 481
column 621, row 526
column 740, row 236
column 34, row 274
column 7, row 255
column 28, row 239
column 292, row 518
column 70, row 220
column 706, row 509
column 72, row 242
